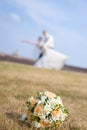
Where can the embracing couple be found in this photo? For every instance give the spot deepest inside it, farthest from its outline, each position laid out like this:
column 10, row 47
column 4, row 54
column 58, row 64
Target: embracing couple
column 43, row 45
column 49, row 57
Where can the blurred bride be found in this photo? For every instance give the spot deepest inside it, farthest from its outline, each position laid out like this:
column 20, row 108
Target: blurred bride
column 48, row 58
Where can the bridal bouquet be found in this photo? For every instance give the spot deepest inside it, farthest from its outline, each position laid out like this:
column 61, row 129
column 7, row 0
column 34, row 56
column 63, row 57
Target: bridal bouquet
column 46, row 110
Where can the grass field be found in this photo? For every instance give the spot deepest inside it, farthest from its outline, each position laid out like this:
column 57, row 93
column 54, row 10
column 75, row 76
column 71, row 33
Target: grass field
column 18, row 82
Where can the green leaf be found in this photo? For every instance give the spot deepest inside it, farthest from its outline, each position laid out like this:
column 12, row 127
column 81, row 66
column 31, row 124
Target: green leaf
column 46, row 128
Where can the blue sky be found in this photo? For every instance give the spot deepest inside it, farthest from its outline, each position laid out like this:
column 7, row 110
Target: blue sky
column 66, row 20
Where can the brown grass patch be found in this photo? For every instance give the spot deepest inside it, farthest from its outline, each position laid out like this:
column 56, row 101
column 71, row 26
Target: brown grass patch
column 18, row 82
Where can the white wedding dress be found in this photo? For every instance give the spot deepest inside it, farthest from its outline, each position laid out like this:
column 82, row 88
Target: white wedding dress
column 52, row 60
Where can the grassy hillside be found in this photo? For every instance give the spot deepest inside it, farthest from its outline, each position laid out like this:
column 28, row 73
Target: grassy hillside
column 18, row 82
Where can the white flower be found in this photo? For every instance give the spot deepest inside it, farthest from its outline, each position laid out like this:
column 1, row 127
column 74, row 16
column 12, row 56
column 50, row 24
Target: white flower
column 36, row 124
column 39, row 102
column 55, row 118
column 30, row 99
column 42, row 116
column 63, row 117
column 47, row 108
column 59, row 101
column 43, row 99
column 49, row 94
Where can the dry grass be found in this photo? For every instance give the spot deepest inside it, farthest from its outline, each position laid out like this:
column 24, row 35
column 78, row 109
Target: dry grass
column 18, row 82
